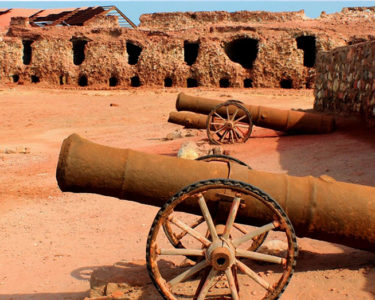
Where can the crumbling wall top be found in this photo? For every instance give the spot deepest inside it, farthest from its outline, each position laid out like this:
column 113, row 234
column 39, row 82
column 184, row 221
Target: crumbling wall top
column 181, row 20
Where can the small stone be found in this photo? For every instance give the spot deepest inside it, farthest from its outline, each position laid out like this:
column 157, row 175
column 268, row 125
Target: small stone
column 174, row 135
column 273, row 247
column 9, row 151
column 114, row 104
column 188, row 150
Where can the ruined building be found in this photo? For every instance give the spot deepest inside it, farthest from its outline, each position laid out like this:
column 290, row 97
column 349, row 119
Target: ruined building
column 212, row 49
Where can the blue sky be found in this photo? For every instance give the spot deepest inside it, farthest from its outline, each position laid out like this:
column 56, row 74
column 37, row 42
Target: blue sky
column 133, row 9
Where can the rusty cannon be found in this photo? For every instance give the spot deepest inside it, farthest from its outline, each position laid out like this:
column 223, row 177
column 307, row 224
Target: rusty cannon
column 217, row 216
column 232, row 121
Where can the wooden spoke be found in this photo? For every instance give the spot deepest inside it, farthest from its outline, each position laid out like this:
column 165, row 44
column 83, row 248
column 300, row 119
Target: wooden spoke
column 239, row 119
column 216, row 114
column 186, row 252
column 207, row 217
column 195, row 234
column 234, row 114
column 219, row 129
column 253, row 275
column 224, row 134
column 260, row 256
column 193, row 225
column 240, row 228
column 232, row 216
column 242, row 125
column 254, row 233
column 232, row 284
column 231, row 136
column 207, row 284
column 188, row 273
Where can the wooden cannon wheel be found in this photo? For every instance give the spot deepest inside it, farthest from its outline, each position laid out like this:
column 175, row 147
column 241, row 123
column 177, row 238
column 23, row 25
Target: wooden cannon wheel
column 224, row 267
column 229, row 123
column 175, row 239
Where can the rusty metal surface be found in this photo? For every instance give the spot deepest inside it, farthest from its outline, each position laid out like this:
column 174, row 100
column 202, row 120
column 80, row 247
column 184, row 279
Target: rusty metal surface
column 320, row 208
column 188, row 119
column 273, row 118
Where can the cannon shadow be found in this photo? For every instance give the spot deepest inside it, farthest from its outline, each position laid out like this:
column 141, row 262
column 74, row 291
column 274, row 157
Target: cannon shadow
column 346, row 155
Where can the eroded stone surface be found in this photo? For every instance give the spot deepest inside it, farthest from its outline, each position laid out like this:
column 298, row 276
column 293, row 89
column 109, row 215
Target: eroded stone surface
column 213, row 49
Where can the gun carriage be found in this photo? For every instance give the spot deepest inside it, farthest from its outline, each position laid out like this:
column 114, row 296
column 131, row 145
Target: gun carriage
column 216, row 213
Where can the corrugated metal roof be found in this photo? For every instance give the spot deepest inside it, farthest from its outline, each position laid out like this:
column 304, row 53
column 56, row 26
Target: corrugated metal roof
column 7, row 14
column 63, row 16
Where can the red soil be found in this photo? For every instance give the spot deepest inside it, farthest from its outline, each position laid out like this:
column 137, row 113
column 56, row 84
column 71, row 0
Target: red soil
column 50, row 241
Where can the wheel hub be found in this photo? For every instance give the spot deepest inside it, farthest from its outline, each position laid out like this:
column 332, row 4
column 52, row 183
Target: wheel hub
column 220, row 255
column 229, row 125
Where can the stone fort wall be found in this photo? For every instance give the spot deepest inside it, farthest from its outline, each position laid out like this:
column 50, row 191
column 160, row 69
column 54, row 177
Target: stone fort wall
column 345, row 81
column 211, row 49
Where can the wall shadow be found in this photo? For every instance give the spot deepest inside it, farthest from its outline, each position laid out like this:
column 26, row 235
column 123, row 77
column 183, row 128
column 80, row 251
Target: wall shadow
column 348, row 155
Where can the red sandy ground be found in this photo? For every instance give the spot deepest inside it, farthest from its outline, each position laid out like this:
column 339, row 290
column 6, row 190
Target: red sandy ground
column 50, row 241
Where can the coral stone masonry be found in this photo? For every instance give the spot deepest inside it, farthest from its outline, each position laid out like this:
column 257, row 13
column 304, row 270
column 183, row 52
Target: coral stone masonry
column 212, row 49
column 345, row 81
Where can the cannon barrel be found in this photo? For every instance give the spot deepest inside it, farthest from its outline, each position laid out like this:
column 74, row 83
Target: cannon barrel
column 273, row 118
column 320, row 208
column 188, row 119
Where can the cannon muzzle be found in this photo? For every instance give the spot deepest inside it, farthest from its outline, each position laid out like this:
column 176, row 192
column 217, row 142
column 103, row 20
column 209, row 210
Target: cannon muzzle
column 320, row 208
column 272, row 118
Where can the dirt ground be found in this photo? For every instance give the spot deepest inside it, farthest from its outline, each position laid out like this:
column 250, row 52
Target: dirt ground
column 51, row 242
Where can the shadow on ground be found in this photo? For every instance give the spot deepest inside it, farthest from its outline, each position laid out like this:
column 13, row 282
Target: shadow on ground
column 45, row 296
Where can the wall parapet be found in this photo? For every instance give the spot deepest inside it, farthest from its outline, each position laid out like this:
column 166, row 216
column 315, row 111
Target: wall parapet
column 345, row 81
column 180, row 20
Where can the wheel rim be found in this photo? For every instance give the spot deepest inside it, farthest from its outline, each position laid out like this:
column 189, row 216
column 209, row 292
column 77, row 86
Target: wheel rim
column 175, row 239
column 218, row 255
column 229, row 123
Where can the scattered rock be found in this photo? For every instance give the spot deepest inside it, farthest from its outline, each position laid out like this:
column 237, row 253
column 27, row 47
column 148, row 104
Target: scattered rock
column 189, row 150
column 177, row 134
column 180, row 133
column 18, row 149
column 217, row 150
column 274, row 247
column 9, row 151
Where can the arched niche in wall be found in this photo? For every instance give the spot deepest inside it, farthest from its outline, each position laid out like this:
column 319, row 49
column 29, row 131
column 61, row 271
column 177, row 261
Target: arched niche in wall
column 191, row 50
column 82, row 80
column 168, row 82
column 34, row 79
column 191, row 82
column 15, row 78
column 247, row 83
column 243, row 51
column 27, row 51
column 134, row 51
column 135, row 81
column 286, row 83
column 113, row 81
column 79, row 45
column 308, row 44
column 224, row 82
